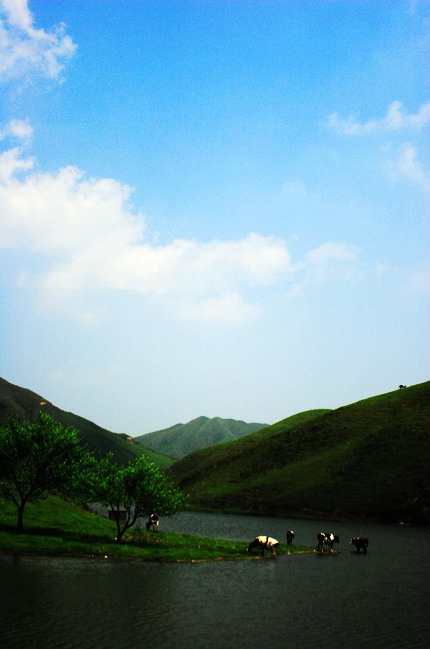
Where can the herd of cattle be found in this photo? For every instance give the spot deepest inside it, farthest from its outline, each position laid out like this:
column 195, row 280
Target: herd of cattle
column 326, row 540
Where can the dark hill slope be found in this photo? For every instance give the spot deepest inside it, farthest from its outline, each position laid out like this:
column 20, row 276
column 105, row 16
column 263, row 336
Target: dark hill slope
column 25, row 404
column 181, row 439
column 369, row 459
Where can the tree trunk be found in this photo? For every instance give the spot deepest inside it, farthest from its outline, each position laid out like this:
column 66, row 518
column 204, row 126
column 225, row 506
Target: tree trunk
column 21, row 517
column 130, row 521
column 119, row 533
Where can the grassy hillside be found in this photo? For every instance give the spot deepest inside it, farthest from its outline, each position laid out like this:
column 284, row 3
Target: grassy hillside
column 58, row 527
column 25, row 404
column 368, row 459
column 181, row 439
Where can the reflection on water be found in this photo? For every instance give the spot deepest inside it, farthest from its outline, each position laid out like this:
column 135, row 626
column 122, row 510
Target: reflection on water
column 378, row 600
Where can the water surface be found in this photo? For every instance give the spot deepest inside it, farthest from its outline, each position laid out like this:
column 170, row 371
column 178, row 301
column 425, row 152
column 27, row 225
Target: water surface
column 379, row 600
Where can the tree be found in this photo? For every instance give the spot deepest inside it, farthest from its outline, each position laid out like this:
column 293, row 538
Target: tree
column 139, row 488
column 36, row 456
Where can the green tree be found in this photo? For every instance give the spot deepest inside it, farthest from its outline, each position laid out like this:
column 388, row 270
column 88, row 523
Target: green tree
column 36, row 456
column 139, row 488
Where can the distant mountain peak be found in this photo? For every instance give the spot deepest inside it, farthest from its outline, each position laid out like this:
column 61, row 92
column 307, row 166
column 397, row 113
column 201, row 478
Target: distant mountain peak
column 181, row 439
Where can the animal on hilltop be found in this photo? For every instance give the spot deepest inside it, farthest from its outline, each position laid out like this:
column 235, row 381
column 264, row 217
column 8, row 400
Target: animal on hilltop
column 401, row 387
column 290, row 537
column 326, row 539
column 262, row 543
column 360, row 543
column 152, row 522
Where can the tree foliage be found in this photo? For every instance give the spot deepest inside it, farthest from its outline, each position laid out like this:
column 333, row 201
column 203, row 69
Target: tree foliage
column 37, row 456
column 139, row 488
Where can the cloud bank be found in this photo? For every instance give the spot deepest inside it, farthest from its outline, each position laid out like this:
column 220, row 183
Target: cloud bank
column 90, row 238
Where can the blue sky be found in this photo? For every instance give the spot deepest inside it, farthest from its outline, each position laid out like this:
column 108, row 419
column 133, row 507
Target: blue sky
column 213, row 208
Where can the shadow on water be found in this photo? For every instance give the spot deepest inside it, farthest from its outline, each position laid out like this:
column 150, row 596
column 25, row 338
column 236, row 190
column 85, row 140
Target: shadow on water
column 377, row 600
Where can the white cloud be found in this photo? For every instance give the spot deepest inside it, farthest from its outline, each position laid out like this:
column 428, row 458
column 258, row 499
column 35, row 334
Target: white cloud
column 331, row 251
column 331, row 260
column 406, row 165
column 87, row 231
column 17, row 128
column 25, row 49
column 395, row 120
column 90, row 238
column 11, row 163
column 18, row 13
column 181, row 267
column 62, row 212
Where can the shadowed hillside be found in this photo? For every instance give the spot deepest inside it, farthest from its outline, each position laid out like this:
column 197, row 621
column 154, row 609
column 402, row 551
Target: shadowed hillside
column 368, row 459
column 25, row 404
column 181, row 439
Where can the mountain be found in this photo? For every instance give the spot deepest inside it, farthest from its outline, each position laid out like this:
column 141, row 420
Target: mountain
column 370, row 459
column 181, row 439
column 25, row 404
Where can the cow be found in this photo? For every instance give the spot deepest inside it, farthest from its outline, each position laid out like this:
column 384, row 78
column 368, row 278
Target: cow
column 402, row 387
column 360, row 543
column 152, row 522
column 290, row 537
column 326, row 539
column 262, row 543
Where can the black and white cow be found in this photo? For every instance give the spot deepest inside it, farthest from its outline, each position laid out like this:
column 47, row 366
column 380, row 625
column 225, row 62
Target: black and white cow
column 262, row 543
column 326, row 539
column 290, row 537
column 360, row 543
column 152, row 522
column 402, row 387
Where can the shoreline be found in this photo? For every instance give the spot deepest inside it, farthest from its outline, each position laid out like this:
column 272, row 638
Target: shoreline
column 56, row 527
column 119, row 559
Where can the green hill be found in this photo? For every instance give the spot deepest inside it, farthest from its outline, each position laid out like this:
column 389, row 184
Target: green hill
column 181, row 439
column 25, row 404
column 368, row 459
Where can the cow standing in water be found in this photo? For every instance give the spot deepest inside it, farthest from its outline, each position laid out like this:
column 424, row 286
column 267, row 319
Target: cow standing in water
column 262, row 543
column 360, row 543
column 290, row 537
column 326, row 539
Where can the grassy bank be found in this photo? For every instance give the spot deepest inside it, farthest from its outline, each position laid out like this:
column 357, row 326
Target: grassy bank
column 60, row 528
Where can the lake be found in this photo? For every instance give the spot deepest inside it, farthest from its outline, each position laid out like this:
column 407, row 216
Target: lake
column 346, row 600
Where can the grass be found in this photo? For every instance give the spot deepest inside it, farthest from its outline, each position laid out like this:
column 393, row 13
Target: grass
column 60, row 528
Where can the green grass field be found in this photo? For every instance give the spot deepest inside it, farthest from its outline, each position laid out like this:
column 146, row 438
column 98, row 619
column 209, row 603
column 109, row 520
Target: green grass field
column 58, row 527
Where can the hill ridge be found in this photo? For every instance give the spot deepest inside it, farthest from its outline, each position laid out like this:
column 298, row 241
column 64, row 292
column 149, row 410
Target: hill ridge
column 25, row 404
